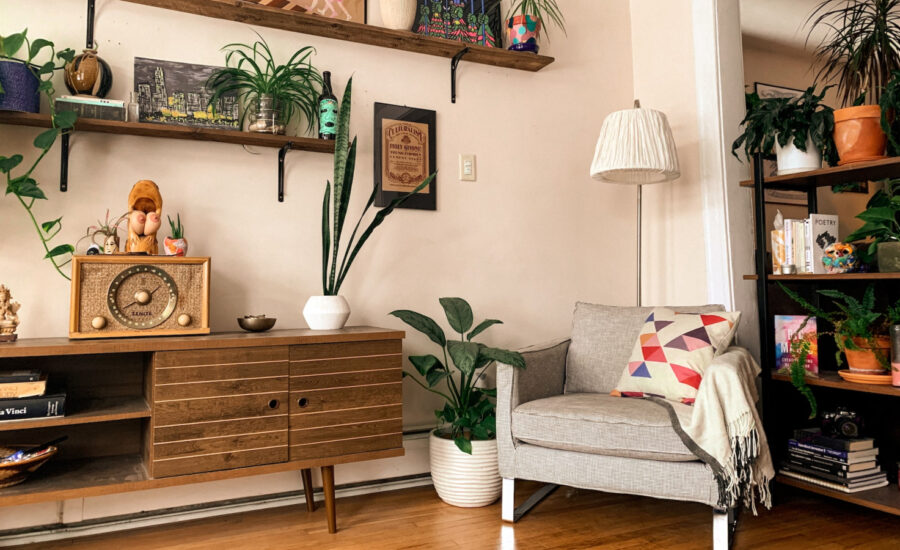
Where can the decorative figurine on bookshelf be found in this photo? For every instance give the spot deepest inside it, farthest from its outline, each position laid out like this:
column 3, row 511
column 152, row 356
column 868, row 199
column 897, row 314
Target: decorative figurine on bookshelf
column 176, row 244
column 103, row 237
column 9, row 316
column 145, row 206
column 840, row 258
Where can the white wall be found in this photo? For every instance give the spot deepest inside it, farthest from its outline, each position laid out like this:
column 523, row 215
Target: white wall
column 526, row 241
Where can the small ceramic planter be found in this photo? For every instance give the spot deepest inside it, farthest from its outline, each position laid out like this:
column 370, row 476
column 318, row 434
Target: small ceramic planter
column 792, row 160
column 21, row 88
column 866, row 359
column 326, row 312
column 460, row 479
column 175, row 247
column 888, row 257
column 524, row 32
column 398, row 14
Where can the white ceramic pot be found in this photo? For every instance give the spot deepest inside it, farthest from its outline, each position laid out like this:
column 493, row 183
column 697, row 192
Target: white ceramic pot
column 792, row 160
column 398, row 14
column 463, row 480
column 326, row 312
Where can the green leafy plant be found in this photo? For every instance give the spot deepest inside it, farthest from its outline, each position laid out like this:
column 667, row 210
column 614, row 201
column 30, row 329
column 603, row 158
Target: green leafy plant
column 251, row 72
column 469, row 412
column 545, row 10
column 21, row 184
column 861, row 49
column 176, row 228
column 890, row 114
column 882, row 220
column 800, row 350
column 786, row 120
column 337, row 200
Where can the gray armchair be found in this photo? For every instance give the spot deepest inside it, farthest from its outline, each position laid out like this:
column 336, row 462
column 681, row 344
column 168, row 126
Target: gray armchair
column 558, row 424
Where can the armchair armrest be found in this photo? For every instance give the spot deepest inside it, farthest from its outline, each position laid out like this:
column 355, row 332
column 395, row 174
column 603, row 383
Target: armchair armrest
column 544, row 375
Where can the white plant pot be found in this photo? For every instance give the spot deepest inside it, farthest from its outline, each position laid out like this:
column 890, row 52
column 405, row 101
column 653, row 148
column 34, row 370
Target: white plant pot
column 326, row 312
column 399, row 14
column 792, row 160
column 463, row 480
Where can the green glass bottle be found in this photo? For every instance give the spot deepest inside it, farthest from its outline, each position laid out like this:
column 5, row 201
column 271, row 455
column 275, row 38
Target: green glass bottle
column 328, row 110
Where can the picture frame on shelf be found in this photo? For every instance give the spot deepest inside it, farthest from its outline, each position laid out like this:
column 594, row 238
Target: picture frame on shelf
column 405, row 154
column 468, row 21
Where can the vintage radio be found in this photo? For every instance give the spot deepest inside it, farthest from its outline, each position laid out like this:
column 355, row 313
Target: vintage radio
column 117, row 296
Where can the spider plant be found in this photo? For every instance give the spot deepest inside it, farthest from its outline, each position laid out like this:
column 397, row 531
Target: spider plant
column 861, row 48
column 251, row 72
column 545, row 10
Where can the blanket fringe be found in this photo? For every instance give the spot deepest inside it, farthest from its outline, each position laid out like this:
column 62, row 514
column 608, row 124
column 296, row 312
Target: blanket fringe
column 739, row 481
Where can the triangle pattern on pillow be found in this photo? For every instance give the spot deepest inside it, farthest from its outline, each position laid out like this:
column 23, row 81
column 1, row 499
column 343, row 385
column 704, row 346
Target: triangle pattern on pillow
column 659, row 325
column 639, row 369
column 686, row 376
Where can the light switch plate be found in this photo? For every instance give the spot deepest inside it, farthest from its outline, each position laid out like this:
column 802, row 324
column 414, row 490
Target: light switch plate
column 467, row 168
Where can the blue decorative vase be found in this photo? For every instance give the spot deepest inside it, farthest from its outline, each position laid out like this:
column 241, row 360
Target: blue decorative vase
column 20, row 87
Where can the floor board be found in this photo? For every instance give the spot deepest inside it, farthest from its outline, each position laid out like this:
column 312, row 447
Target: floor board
column 569, row 519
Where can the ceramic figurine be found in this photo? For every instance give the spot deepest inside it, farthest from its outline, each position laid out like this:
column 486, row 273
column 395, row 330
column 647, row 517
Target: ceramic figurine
column 145, row 205
column 840, row 258
column 176, row 245
column 111, row 244
column 88, row 74
column 9, row 318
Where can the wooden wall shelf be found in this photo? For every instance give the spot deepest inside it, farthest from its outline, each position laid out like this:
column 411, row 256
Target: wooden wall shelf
column 885, row 499
column 807, row 277
column 99, row 410
column 831, row 379
column 860, row 171
column 255, row 14
column 175, row 132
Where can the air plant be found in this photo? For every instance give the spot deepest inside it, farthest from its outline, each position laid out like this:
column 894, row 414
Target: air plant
column 104, row 229
column 251, row 71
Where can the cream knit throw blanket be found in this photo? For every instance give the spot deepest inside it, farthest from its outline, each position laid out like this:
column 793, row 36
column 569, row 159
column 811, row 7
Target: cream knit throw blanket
column 723, row 428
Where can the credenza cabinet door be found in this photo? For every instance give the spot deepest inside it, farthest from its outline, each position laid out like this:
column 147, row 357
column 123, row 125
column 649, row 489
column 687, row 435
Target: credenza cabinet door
column 219, row 409
column 345, row 398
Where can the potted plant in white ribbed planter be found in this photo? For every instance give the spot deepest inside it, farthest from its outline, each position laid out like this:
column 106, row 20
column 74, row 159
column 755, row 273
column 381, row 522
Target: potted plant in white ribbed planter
column 330, row 311
column 463, row 449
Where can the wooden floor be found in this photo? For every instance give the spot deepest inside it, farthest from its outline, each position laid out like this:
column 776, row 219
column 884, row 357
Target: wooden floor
column 570, row 519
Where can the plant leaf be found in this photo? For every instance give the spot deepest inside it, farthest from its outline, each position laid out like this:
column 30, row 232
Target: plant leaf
column 60, row 250
column 45, row 139
column 423, row 324
column 47, row 226
column 65, row 119
column 459, row 313
column 464, row 355
column 36, row 46
column 424, row 363
column 12, row 43
column 483, row 326
column 8, row 163
column 512, row 358
column 463, row 445
column 326, row 238
column 26, row 187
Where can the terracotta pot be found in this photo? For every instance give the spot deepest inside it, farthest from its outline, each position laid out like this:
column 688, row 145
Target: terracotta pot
column 858, row 134
column 524, row 33
column 87, row 74
column 866, row 359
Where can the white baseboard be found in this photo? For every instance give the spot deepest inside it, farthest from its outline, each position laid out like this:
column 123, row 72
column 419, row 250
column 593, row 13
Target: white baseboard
column 176, row 515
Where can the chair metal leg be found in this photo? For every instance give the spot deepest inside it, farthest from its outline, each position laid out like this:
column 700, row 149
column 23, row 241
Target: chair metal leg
column 508, row 510
column 724, row 526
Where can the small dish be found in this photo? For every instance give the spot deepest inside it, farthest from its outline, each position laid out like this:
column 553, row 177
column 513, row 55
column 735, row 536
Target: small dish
column 13, row 473
column 256, row 323
column 864, row 378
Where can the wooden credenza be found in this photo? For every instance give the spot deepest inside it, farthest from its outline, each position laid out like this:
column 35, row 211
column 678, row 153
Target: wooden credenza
column 145, row 413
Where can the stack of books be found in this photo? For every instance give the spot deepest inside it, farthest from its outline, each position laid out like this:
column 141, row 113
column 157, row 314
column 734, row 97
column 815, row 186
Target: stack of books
column 846, row 465
column 92, row 107
column 802, row 243
column 23, row 394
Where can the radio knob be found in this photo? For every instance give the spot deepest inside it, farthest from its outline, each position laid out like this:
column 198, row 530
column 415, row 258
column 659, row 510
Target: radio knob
column 142, row 297
column 98, row 322
column 184, row 319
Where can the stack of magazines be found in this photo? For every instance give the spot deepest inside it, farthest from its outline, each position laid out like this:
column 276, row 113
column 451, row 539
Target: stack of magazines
column 848, row 465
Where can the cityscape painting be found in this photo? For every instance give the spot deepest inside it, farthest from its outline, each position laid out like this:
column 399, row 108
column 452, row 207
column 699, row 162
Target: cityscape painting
column 175, row 93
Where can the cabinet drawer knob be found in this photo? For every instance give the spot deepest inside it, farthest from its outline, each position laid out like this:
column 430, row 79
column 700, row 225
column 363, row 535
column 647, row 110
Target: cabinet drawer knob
column 273, row 404
column 302, row 402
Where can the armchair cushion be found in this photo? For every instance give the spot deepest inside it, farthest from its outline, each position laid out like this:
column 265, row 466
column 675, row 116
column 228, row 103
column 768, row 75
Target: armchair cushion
column 602, row 340
column 600, row 424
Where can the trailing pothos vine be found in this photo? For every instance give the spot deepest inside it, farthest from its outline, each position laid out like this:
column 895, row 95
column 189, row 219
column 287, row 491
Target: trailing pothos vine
column 22, row 184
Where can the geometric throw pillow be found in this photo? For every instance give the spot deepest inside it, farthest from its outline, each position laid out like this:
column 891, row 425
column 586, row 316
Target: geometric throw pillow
column 672, row 352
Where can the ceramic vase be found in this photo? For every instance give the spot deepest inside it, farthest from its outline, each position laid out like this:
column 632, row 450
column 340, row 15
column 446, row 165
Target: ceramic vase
column 88, row 74
column 524, row 33
column 398, row 14
column 792, row 160
column 858, row 135
column 460, row 479
column 326, row 312
column 175, row 247
column 20, row 86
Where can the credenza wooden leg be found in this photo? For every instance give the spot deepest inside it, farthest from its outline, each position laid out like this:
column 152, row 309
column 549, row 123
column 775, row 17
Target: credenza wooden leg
column 306, row 474
column 328, row 489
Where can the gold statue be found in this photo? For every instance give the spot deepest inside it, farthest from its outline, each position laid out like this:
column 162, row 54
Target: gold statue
column 145, row 205
column 9, row 318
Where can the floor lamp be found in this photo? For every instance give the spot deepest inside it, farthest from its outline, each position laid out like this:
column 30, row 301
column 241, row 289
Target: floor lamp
column 636, row 147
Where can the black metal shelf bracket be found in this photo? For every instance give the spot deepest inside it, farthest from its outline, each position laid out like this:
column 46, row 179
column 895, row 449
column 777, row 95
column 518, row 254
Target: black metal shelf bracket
column 281, row 153
column 64, row 161
column 90, row 25
column 454, row 63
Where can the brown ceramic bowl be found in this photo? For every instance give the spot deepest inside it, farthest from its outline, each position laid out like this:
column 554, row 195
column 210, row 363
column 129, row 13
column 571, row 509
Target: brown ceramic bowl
column 13, row 473
column 256, row 323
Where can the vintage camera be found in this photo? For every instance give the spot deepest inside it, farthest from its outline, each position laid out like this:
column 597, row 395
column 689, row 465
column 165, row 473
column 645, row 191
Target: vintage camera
column 842, row 422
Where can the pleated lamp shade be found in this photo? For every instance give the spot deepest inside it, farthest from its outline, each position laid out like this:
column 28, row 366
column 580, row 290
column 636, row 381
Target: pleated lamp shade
column 636, row 147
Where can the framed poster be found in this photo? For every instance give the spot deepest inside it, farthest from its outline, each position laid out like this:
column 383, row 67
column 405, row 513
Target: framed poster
column 469, row 21
column 405, row 154
column 771, row 91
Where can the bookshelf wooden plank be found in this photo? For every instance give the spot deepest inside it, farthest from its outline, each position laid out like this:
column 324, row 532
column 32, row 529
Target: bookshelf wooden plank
column 255, row 14
column 860, row 171
column 99, row 410
column 174, row 132
column 831, row 379
column 885, row 499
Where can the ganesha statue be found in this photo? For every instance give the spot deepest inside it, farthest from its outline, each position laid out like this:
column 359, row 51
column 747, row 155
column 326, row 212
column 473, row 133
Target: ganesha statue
column 840, row 258
column 9, row 315
column 145, row 210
